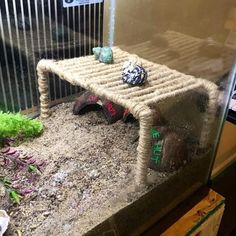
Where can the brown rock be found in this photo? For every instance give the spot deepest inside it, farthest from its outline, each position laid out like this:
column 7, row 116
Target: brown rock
column 173, row 154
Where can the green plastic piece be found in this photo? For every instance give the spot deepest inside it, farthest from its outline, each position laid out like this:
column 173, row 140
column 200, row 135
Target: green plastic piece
column 157, row 148
column 155, row 134
column 15, row 197
column 32, row 168
column 156, row 159
column 5, row 181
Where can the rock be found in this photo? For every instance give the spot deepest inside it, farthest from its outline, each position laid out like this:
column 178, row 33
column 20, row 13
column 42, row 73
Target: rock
column 60, row 197
column 97, row 52
column 51, row 192
column 34, row 226
column 89, row 101
column 169, row 151
column 59, row 177
column 94, row 174
column 112, row 111
column 86, row 195
column 4, row 222
column 133, row 73
column 67, row 228
column 104, row 54
column 85, row 100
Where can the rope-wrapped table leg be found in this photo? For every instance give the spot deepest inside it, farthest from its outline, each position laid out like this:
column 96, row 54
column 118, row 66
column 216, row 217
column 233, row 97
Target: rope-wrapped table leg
column 144, row 147
column 43, row 89
column 212, row 91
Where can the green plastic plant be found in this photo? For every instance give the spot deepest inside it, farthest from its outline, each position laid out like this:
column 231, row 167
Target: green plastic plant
column 15, row 125
column 15, row 196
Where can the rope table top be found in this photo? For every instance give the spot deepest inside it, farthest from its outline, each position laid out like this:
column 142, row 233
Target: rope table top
column 105, row 81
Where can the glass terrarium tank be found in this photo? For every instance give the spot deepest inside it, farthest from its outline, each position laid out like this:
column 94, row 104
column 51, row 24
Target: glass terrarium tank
column 130, row 98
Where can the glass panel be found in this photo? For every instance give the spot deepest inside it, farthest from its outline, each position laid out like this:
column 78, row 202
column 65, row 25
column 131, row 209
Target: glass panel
column 197, row 39
column 173, row 68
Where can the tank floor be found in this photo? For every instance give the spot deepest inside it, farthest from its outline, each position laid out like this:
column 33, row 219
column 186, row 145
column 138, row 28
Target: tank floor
column 89, row 174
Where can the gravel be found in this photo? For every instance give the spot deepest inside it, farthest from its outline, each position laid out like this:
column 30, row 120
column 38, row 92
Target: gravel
column 90, row 166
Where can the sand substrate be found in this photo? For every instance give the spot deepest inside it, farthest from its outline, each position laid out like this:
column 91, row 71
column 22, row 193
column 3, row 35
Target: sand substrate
column 89, row 174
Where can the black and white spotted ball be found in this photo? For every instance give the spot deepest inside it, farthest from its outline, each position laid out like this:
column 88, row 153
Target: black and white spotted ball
column 133, row 73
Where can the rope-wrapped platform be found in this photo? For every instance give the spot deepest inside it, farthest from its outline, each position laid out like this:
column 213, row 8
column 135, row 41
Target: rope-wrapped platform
column 105, row 81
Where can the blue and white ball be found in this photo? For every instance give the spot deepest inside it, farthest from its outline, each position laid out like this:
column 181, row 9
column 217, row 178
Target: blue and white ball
column 133, row 73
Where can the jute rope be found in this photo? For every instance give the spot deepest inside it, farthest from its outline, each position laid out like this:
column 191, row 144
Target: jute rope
column 43, row 90
column 105, row 81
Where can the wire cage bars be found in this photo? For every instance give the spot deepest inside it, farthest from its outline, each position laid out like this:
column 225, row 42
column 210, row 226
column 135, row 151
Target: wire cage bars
column 34, row 29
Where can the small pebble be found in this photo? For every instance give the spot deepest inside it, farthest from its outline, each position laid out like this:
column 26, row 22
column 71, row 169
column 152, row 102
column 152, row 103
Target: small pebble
column 60, row 198
column 59, row 177
column 94, row 174
column 2, row 190
column 46, row 213
column 34, row 226
column 67, row 228
column 52, row 192
column 104, row 54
